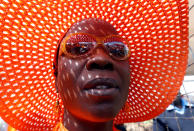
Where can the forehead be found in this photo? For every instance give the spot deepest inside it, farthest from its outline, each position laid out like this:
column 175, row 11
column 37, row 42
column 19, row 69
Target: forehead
column 95, row 27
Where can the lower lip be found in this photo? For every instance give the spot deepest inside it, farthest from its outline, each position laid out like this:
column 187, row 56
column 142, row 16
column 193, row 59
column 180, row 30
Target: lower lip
column 102, row 92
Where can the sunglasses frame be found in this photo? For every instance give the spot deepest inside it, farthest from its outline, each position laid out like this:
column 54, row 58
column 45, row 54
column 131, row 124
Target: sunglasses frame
column 99, row 42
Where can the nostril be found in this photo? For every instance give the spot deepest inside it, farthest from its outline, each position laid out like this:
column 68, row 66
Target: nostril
column 107, row 66
column 95, row 66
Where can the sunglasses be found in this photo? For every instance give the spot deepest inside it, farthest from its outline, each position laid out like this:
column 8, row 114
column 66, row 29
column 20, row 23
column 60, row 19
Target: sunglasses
column 79, row 45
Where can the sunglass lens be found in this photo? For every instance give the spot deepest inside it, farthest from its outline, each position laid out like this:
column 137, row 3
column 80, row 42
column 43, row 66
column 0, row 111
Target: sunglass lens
column 79, row 45
column 117, row 49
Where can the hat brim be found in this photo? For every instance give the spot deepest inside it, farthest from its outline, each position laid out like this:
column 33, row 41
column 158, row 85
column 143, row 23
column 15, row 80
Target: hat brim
column 157, row 32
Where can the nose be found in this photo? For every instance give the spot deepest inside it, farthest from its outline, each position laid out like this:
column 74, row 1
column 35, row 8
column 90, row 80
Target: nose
column 100, row 60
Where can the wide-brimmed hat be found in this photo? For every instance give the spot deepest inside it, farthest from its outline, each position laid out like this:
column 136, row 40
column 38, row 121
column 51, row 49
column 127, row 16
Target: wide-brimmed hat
column 157, row 31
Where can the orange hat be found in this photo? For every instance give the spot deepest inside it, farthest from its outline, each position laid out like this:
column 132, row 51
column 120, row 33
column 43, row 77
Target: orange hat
column 157, row 31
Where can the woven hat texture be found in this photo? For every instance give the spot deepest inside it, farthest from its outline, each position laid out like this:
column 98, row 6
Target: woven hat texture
column 157, row 31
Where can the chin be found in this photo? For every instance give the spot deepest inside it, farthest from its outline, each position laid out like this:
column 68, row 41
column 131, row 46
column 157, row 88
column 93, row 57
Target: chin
column 102, row 113
column 97, row 118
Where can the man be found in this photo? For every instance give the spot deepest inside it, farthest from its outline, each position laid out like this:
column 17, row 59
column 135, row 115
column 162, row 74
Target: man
column 177, row 117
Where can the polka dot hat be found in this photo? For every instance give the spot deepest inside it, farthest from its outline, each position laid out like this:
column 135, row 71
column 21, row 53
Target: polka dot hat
column 157, row 31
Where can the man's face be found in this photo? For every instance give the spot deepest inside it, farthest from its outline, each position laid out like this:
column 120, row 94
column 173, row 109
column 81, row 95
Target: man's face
column 93, row 88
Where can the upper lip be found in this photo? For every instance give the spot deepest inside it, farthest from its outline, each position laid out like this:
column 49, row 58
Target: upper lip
column 101, row 81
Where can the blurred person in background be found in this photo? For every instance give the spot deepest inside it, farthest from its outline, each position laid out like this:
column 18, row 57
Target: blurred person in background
column 179, row 116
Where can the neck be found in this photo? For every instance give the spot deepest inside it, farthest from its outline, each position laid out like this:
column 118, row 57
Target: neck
column 72, row 123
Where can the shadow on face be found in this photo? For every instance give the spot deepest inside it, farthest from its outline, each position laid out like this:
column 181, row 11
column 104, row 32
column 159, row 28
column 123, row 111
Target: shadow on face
column 93, row 87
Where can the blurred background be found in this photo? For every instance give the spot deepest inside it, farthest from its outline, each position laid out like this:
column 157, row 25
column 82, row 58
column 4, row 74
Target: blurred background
column 186, row 91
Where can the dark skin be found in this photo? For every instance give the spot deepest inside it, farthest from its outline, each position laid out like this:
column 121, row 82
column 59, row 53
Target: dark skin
column 86, row 111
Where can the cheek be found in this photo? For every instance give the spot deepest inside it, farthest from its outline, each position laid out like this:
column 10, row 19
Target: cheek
column 124, row 71
column 68, row 72
column 66, row 80
column 125, row 76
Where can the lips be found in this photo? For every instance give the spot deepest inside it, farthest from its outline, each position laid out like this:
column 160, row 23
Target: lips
column 101, row 87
